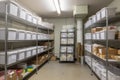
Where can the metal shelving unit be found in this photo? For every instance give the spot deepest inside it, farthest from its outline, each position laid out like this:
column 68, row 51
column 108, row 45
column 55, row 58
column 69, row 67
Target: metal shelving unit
column 67, row 45
column 110, row 65
column 11, row 18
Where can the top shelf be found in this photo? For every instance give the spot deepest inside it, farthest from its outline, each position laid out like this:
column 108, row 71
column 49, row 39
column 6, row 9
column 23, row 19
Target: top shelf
column 102, row 22
column 21, row 15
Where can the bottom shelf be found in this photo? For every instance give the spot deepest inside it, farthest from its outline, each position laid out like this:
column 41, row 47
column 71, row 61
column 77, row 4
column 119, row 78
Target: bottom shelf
column 100, row 70
column 27, row 75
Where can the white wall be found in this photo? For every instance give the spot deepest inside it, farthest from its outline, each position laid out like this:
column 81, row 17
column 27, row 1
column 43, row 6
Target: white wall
column 115, row 3
column 59, row 22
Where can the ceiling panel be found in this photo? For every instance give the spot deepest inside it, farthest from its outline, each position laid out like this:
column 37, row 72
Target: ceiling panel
column 45, row 8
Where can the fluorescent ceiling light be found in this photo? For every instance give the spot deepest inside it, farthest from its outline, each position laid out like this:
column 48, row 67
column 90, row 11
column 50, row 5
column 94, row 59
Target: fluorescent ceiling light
column 57, row 6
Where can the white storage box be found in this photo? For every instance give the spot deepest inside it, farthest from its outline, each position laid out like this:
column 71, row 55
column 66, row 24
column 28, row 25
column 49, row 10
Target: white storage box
column 107, row 12
column 34, row 35
column 12, row 8
column 39, row 49
column 23, row 14
column 34, row 20
column 29, row 17
column 70, row 30
column 111, row 34
column 34, row 49
column 40, row 37
column 94, row 36
column 63, row 34
column 21, row 35
column 21, row 54
column 63, row 57
column 70, row 34
column 88, row 36
column 28, row 52
column 94, row 19
column 70, row 57
column 12, row 34
column 63, row 49
column 70, row 49
column 28, row 35
column 70, row 41
column 11, row 57
column 63, row 41
column 98, row 15
column 63, row 30
column 97, row 35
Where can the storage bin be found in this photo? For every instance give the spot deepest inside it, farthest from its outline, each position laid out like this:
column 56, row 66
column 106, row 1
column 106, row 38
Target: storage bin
column 12, row 34
column 63, row 49
column 63, row 34
column 70, row 34
column 22, row 14
column 13, row 9
column 39, row 49
column 34, row 51
column 63, row 30
column 21, row 35
column 88, row 36
column 94, row 19
column 94, row 36
column 63, row 57
column 28, row 52
column 34, row 35
column 111, row 34
column 98, row 15
column 70, row 41
column 35, row 20
column 28, row 35
column 11, row 57
column 29, row 17
column 40, row 37
column 70, row 30
column 63, row 41
column 70, row 57
column 107, row 12
column 21, row 54
column 70, row 49
column 97, row 35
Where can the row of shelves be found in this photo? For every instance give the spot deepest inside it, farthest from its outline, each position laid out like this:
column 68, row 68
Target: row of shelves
column 13, row 59
column 21, row 15
column 14, row 34
column 100, row 18
column 100, row 69
column 67, row 45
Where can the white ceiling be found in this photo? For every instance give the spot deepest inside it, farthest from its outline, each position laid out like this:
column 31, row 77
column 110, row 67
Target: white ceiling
column 45, row 8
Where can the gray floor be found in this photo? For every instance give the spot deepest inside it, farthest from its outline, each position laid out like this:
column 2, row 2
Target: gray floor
column 63, row 71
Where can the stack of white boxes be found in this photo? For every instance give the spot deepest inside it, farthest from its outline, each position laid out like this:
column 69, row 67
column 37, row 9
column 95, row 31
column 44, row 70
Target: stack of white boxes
column 100, row 70
column 100, row 15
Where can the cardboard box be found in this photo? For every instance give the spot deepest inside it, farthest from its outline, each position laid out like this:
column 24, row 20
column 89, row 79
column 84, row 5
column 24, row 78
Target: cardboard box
column 53, row 58
column 119, row 52
column 96, row 29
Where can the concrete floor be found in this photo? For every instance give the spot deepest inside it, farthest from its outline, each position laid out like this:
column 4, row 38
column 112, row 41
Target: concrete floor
column 63, row 71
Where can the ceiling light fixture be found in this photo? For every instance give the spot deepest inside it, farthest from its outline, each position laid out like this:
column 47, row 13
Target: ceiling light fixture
column 57, row 6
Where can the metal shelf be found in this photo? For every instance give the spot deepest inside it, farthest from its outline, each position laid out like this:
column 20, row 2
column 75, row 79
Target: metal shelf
column 112, row 43
column 102, row 22
column 28, row 74
column 9, row 65
column 25, row 22
column 11, row 41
